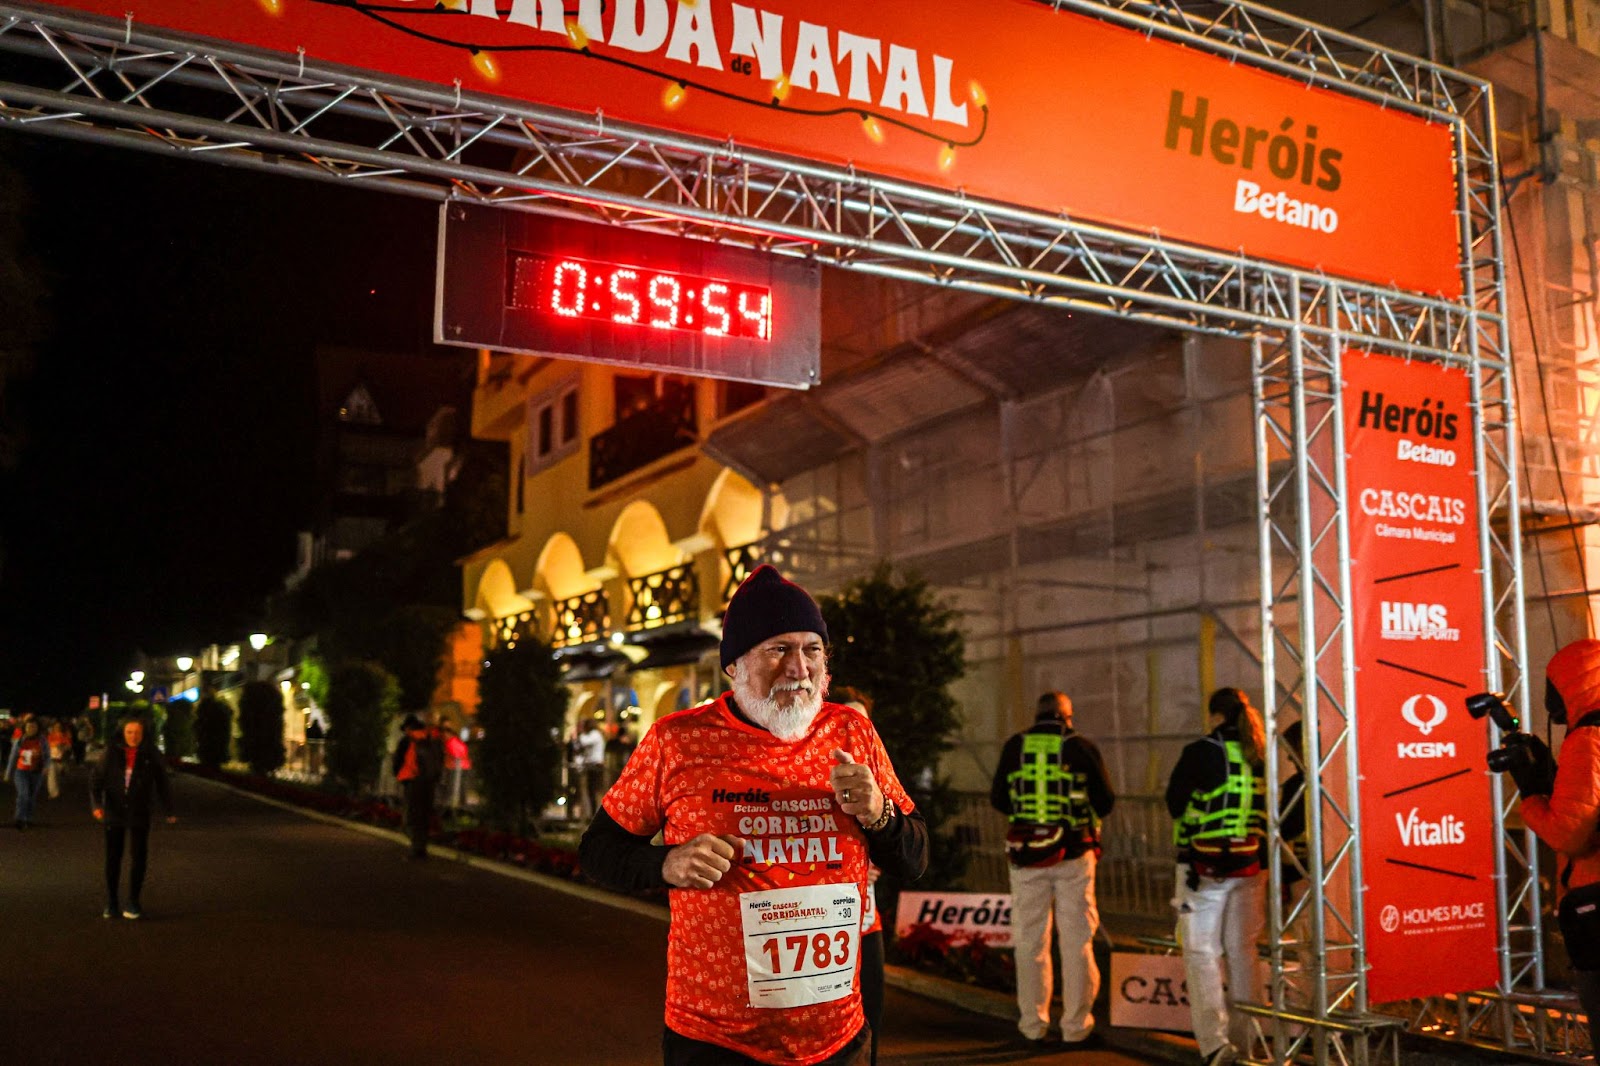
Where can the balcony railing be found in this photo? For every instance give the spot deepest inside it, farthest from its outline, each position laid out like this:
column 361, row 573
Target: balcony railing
column 581, row 619
column 741, row 562
column 643, row 436
column 666, row 596
column 512, row 628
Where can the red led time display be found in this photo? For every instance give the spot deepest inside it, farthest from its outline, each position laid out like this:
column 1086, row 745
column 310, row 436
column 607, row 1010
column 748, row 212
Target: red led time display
column 635, row 296
column 566, row 288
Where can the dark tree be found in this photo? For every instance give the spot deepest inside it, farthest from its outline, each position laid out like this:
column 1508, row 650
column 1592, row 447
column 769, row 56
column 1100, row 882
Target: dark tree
column 522, row 705
column 893, row 639
column 177, row 734
column 261, row 726
column 410, row 642
column 213, row 730
column 362, row 697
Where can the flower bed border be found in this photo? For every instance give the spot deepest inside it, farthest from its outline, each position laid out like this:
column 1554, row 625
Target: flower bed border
column 519, row 851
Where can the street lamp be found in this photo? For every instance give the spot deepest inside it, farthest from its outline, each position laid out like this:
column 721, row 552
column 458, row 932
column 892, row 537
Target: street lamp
column 136, row 677
column 184, row 663
column 258, row 641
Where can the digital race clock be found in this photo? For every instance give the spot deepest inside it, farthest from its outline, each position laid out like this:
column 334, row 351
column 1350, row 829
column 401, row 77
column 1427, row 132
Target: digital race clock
column 639, row 296
column 520, row 282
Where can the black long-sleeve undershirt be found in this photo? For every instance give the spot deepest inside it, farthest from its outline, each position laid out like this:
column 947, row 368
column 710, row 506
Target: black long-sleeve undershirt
column 614, row 857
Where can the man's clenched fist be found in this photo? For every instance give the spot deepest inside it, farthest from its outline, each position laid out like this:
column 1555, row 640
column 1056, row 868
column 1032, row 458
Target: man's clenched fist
column 701, row 862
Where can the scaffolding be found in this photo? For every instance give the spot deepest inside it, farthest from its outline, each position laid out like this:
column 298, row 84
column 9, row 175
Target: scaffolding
column 123, row 84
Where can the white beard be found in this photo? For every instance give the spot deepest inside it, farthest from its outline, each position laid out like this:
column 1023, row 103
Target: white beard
column 785, row 723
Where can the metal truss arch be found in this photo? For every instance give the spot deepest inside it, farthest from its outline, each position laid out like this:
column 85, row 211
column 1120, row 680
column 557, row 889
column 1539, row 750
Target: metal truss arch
column 123, row 84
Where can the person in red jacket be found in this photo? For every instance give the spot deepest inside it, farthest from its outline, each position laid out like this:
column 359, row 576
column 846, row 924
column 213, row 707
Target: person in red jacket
column 418, row 763
column 1565, row 819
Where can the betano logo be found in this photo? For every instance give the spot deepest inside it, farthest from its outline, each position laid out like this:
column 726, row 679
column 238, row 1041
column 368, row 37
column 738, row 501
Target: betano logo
column 1249, row 199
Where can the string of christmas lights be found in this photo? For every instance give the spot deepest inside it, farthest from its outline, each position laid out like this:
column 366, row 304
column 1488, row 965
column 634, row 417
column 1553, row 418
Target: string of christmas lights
column 677, row 89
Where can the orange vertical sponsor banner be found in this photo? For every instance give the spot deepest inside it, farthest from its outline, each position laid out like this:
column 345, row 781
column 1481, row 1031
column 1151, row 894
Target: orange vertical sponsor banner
column 1008, row 100
column 1427, row 842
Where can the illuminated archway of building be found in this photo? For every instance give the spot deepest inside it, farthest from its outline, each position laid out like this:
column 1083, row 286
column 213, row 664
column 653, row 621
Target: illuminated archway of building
column 735, row 520
column 498, row 599
column 560, row 572
column 663, row 701
column 582, row 706
column 638, row 548
column 733, row 512
column 639, row 542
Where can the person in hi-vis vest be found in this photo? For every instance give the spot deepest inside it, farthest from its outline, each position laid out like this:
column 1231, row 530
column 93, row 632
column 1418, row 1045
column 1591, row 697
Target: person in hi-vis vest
column 1051, row 785
column 1217, row 796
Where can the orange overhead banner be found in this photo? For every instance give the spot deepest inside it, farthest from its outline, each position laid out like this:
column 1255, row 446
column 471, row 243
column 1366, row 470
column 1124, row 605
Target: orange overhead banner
column 1008, row 100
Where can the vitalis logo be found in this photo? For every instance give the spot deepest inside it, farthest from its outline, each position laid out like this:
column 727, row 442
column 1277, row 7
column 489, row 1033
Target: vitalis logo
column 1417, row 621
column 1417, row 833
column 1411, row 710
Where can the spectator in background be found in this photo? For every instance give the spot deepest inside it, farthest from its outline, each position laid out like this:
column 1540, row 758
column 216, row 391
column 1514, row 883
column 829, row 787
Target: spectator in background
column 418, row 764
column 129, row 774
column 60, row 742
column 589, row 763
column 457, row 761
column 1217, row 797
column 1052, row 786
column 30, row 755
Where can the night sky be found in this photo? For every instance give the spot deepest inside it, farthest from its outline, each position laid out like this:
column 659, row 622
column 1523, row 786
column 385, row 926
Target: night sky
column 169, row 414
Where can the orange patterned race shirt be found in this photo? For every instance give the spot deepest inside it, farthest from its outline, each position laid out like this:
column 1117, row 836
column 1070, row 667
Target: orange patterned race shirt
column 765, row 962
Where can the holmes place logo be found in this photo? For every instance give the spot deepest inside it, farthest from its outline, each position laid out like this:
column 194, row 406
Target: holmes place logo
column 1437, row 712
column 1390, row 918
column 1417, row 621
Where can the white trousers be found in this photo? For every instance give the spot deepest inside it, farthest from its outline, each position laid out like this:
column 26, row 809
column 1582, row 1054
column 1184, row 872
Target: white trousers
column 1224, row 916
column 1065, row 892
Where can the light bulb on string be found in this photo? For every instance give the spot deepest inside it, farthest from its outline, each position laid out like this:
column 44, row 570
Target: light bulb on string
column 947, row 157
column 979, row 97
column 780, row 89
column 576, row 35
column 271, row 7
column 485, row 65
column 872, row 128
column 673, row 95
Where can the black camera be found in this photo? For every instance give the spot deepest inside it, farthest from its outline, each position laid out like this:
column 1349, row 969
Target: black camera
column 1522, row 755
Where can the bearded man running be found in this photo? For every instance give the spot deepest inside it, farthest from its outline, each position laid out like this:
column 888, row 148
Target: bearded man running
column 772, row 803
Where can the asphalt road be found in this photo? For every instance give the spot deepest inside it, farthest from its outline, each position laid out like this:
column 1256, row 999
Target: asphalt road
column 273, row 938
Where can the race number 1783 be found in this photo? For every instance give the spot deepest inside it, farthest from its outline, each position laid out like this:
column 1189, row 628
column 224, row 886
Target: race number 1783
column 800, row 944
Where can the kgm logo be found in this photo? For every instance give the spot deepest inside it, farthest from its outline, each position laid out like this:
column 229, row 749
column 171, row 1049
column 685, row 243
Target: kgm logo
column 1412, row 710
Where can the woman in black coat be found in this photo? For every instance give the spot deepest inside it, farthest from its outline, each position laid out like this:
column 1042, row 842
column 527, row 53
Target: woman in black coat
column 121, row 788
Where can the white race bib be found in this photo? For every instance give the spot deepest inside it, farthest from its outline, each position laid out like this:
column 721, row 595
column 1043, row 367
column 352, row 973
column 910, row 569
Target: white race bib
column 800, row 944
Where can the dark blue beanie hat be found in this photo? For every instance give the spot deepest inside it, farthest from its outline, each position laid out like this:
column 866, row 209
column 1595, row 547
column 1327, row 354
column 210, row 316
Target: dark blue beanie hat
column 766, row 606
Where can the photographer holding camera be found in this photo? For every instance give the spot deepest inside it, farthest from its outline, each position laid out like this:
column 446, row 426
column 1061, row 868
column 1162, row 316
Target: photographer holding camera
column 1562, row 806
